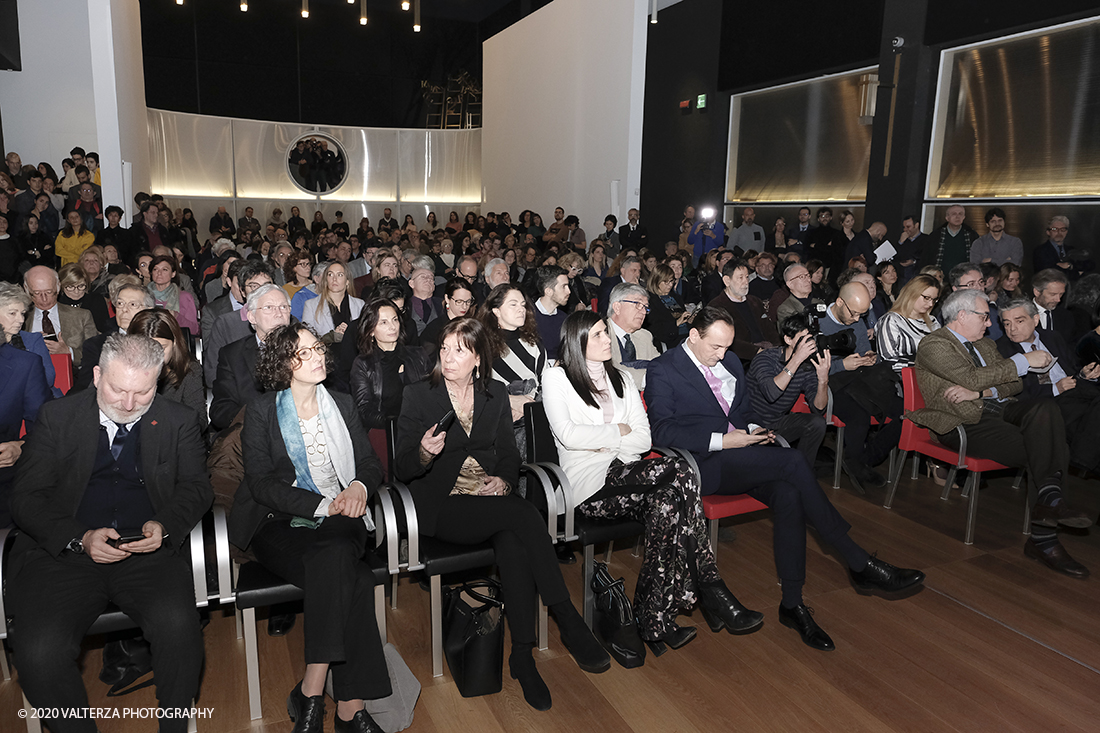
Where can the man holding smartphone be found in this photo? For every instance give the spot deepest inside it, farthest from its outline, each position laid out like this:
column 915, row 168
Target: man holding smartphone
column 103, row 466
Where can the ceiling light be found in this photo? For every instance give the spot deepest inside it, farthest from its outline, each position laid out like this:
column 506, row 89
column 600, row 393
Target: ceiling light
column 416, row 17
column 653, row 12
column 305, row 8
column 244, row 7
column 405, row 4
column 362, row 12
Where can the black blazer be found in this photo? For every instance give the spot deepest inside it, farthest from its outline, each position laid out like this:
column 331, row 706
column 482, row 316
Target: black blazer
column 89, row 359
column 661, row 322
column 267, row 493
column 1067, row 359
column 366, row 383
column 491, row 441
column 236, row 385
column 59, row 455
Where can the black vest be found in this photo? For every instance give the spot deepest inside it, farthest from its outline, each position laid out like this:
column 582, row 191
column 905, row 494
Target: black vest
column 116, row 495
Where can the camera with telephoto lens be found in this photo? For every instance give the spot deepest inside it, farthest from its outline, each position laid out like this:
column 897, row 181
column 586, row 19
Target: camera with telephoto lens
column 841, row 343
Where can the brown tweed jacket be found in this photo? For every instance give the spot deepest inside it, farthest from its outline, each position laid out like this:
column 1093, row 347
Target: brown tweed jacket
column 942, row 362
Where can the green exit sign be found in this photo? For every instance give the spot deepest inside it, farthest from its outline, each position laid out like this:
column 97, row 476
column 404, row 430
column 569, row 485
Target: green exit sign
column 701, row 101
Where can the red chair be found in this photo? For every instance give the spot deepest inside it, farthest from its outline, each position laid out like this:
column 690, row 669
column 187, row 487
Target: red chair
column 918, row 440
column 595, row 305
column 831, row 419
column 63, row 372
column 719, row 506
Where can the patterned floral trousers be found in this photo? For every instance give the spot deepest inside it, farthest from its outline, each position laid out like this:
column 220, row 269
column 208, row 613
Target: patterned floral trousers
column 663, row 494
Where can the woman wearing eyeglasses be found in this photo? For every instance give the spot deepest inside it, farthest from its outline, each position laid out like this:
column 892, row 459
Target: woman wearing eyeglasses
column 75, row 291
column 668, row 319
column 899, row 331
column 579, row 296
column 302, row 511
column 458, row 299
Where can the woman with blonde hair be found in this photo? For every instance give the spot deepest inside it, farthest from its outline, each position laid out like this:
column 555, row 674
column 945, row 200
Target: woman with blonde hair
column 334, row 307
column 899, row 331
column 94, row 262
column 76, row 292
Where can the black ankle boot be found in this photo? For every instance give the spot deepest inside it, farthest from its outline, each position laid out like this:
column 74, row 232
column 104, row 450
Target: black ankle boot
column 721, row 609
column 307, row 713
column 587, row 651
column 522, row 666
column 361, row 722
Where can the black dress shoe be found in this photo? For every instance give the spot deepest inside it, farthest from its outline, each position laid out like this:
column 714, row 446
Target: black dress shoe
column 801, row 619
column 1056, row 558
column 279, row 624
column 307, row 713
column 361, row 722
column 722, row 610
column 862, row 474
column 579, row 640
column 565, row 555
column 522, row 667
column 882, row 576
column 676, row 638
column 1063, row 514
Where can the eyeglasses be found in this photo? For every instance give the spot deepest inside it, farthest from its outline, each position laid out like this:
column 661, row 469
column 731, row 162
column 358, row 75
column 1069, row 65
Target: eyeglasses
column 79, row 287
column 42, row 293
column 129, row 304
column 306, row 353
column 803, row 276
column 852, row 313
column 984, row 314
column 462, row 301
column 639, row 306
column 250, row 287
column 1061, row 230
column 274, row 308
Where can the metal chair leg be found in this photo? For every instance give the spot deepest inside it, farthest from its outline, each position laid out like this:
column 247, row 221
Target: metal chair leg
column 437, row 626
column 544, row 632
column 1027, row 517
column 610, row 549
column 947, row 484
column 380, row 610
column 1019, row 480
column 895, row 479
column 588, row 569
column 916, row 466
column 34, row 725
column 252, row 664
column 839, row 454
column 639, row 546
column 393, row 593
column 192, row 723
column 972, row 506
column 713, row 524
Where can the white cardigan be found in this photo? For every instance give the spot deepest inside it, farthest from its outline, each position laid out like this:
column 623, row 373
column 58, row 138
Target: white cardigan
column 586, row 444
column 322, row 324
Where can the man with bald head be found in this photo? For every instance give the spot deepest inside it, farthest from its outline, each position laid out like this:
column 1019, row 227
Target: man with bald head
column 64, row 327
column 865, row 242
column 749, row 235
column 797, row 279
column 222, row 223
column 950, row 244
column 862, row 386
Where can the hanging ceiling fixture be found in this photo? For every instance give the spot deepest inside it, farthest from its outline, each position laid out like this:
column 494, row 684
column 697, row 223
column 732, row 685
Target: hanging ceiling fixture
column 405, row 4
column 416, row 17
column 653, row 12
column 305, row 8
column 362, row 12
column 244, row 6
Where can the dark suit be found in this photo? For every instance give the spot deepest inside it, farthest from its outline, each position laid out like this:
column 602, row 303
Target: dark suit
column 684, row 413
column 1046, row 256
column 517, row 531
column 861, row 244
column 325, row 562
column 235, row 385
column 1062, row 324
column 23, row 389
column 89, row 358
column 606, row 287
column 57, row 595
column 743, row 344
column 637, row 239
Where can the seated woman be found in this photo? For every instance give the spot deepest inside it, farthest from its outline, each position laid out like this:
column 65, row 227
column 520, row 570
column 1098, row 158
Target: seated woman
column 886, row 275
column 580, row 295
column 602, row 432
column 296, row 272
column 302, row 511
column 821, row 287
column 461, row 480
column 458, row 297
column 597, row 264
column 94, row 262
column 181, row 378
column 73, row 239
column 330, row 313
column 76, row 293
column 683, row 288
column 898, row 332
column 1011, row 275
column 14, row 304
column 668, row 319
column 164, row 281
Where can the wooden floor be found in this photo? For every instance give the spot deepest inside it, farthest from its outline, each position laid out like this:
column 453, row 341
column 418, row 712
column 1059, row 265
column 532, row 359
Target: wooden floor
column 994, row 642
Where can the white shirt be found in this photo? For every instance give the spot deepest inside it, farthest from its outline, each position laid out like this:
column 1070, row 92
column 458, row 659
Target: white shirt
column 55, row 319
column 112, row 427
column 729, row 391
column 542, row 308
column 620, row 334
column 1056, row 372
column 1046, row 319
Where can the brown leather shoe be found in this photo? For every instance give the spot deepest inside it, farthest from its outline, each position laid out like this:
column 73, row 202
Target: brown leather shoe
column 1056, row 558
column 1063, row 514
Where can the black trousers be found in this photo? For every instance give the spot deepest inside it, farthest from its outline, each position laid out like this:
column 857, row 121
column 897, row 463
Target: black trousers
column 1029, row 434
column 782, row 479
column 857, row 424
column 803, row 431
column 522, row 548
column 340, row 627
column 1080, row 409
column 54, row 602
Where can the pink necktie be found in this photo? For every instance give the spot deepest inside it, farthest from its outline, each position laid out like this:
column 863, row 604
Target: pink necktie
column 715, row 385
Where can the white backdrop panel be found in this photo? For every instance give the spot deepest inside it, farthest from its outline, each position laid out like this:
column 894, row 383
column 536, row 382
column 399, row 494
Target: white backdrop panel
column 438, row 165
column 259, row 151
column 190, row 154
column 372, row 163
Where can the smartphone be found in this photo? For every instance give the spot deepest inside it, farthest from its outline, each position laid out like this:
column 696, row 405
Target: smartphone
column 125, row 537
column 445, row 424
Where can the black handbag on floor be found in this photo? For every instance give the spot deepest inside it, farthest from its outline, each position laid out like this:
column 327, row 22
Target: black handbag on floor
column 473, row 636
column 613, row 620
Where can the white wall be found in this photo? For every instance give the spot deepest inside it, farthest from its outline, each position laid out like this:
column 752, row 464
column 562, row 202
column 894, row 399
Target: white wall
column 49, row 106
column 563, row 94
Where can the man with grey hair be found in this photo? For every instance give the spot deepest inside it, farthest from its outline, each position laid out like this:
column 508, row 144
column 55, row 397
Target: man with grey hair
column 631, row 345
column 950, row 244
column 86, row 479
column 496, row 273
column 1049, row 290
column 422, row 305
column 801, row 288
column 406, row 263
column 280, row 253
column 1055, row 254
column 965, row 381
column 233, row 325
column 235, row 385
column 129, row 300
column 630, row 271
column 64, row 328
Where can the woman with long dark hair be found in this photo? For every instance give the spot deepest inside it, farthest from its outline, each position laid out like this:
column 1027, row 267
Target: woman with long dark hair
column 385, row 365
column 461, row 479
column 454, row 225
column 181, row 378
column 302, row 510
column 73, row 239
column 602, row 432
column 164, row 285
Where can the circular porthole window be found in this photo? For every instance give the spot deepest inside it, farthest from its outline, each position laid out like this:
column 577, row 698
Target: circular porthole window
column 316, row 163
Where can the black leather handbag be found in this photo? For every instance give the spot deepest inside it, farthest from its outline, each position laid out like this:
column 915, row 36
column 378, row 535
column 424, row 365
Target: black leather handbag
column 613, row 620
column 473, row 636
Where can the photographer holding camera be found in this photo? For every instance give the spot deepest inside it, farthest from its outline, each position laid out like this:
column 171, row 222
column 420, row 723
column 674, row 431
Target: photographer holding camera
column 778, row 376
column 862, row 386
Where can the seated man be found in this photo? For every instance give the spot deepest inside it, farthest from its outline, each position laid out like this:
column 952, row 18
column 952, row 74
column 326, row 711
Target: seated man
column 778, row 376
column 130, row 299
column 754, row 332
column 964, row 381
column 862, row 386
column 552, row 286
column 1073, row 388
column 86, row 477
column 64, row 327
column 631, row 345
column 696, row 399
column 236, row 385
column 630, row 271
column 763, row 286
column 801, row 288
column 232, row 324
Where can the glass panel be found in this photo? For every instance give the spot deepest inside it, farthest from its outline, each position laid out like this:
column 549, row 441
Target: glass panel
column 190, row 155
column 260, row 149
column 1018, row 118
column 440, row 165
column 372, row 156
column 800, row 143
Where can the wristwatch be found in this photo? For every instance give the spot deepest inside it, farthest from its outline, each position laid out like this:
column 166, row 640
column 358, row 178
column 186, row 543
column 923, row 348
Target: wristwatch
column 76, row 546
